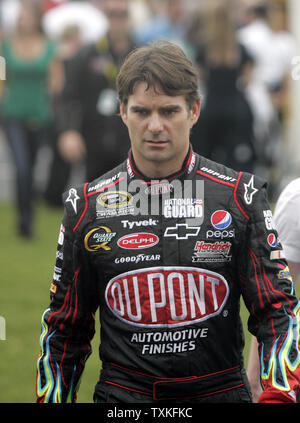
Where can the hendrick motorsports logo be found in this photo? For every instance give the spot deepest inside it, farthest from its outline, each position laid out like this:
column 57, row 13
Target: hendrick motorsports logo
column 2, row 329
column 211, row 252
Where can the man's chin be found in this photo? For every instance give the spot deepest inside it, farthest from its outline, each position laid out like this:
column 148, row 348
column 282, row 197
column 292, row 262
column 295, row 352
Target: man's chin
column 158, row 156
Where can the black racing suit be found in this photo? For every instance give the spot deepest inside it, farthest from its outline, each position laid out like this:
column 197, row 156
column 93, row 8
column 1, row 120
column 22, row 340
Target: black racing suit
column 167, row 262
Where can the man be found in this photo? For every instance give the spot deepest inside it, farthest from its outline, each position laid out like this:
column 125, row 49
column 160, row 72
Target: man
column 287, row 221
column 88, row 124
column 165, row 244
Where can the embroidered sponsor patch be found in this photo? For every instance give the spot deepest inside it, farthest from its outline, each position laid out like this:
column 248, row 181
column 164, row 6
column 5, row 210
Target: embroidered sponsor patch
column 98, row 238
column 166, row 296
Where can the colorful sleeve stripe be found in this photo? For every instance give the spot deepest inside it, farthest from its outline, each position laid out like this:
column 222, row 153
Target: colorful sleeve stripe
column 284, row 357
column 52, row 389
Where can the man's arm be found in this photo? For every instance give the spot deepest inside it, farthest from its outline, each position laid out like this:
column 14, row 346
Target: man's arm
column 69, row 110
column 68, row 324
column 253, row 370
column 269, row 295
column 286, row 220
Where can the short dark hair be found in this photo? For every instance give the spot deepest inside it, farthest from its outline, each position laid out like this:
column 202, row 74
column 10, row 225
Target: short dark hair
column 161, row 65
column 261, row 11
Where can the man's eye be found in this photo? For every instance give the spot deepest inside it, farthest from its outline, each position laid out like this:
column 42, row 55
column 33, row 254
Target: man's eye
column 169, row 112
column 142, row 112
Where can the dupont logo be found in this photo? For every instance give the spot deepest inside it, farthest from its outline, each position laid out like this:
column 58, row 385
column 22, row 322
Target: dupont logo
column 166, row 296
column 138, row 241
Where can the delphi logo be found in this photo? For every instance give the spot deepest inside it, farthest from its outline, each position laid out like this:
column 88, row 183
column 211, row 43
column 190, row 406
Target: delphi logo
column 2, row 329
column 166, row 296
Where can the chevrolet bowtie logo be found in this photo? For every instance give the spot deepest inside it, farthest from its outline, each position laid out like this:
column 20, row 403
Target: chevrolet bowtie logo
column 182, row 231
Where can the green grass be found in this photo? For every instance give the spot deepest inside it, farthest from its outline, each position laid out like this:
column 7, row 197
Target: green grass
column 26, row 269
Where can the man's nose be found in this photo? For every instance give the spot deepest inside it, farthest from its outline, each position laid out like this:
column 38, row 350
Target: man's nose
column 155, row 123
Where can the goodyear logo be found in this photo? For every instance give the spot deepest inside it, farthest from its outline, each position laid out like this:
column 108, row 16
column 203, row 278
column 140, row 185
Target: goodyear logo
column 98, row 238
column 114, row 199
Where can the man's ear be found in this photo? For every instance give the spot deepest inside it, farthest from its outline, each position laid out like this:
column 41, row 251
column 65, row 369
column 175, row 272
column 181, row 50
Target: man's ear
column 195, row 112
column 123, row 112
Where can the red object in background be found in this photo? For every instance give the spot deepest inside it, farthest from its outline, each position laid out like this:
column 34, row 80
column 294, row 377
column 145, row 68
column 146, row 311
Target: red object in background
column 49, row 4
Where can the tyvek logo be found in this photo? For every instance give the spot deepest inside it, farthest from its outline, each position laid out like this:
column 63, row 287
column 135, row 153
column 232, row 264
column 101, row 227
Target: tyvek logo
column 166, row 296
column 221, row 219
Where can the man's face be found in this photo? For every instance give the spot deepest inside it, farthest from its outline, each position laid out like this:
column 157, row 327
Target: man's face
column 159, row 127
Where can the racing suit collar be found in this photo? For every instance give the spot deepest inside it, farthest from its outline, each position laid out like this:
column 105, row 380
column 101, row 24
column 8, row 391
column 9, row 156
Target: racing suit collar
column 187, row 168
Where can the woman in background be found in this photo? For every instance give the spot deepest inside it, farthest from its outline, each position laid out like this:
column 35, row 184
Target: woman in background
column 32, row 76
column 224, row 131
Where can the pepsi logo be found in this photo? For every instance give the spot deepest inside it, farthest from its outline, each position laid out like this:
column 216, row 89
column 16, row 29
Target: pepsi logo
column 166, row 296
column 221, row 219
column 272, row 240
column 138, row 241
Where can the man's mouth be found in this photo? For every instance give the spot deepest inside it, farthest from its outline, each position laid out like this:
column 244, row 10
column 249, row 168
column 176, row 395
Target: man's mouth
column 157, row 143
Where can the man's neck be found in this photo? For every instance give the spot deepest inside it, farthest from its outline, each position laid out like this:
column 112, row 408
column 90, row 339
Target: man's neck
column 159, row 170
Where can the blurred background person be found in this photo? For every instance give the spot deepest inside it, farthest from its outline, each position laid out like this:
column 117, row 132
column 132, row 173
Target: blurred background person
column 90, row 127
column 60, row 169
column 33, row 76
column 224, row 131
column 8, row 13
column 168, row 21
column 286, row 48
column 272, row 47
column 265, row 36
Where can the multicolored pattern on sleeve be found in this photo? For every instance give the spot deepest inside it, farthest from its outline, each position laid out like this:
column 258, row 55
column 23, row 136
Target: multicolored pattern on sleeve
column 268, row 292
column 68, row 324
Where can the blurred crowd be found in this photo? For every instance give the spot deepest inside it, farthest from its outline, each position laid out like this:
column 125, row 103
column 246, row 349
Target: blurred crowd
column 62, row 58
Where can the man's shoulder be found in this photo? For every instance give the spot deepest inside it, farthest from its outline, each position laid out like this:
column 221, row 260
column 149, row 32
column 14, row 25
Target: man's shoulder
column 107, row 180
column 241, row 187
column 79, row 198
column 222, row 174
column 219, row 173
